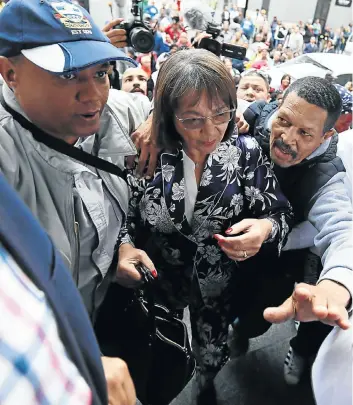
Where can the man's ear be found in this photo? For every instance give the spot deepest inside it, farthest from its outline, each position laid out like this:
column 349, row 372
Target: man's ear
column 8, row 72
column 328, row 134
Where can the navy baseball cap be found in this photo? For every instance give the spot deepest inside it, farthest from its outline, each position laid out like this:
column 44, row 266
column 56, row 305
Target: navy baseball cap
column 55, row 35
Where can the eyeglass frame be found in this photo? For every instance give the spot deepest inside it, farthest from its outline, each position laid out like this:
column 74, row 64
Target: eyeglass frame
column 182, row 120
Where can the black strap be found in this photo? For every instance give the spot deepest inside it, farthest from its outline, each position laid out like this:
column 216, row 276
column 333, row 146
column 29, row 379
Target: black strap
column 61, row 146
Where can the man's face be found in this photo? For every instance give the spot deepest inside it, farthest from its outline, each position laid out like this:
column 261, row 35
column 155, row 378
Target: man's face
column 67, row 106
column 297, row 131
column 252, row 88
column 135, row 81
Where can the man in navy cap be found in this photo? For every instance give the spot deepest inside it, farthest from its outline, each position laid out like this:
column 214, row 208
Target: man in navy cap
column 64, row 138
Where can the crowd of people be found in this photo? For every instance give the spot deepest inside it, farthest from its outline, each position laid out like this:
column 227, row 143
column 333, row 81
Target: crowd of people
column 236, row 197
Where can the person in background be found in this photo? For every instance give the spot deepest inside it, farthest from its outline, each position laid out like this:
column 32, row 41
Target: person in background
column 274, row 25
column 280, row 35
column 262, row 60
column 277, row 58
column 161, row 44
column 183, row 41
column 248, row 27
column 175, row 29
column 311, row 47
column 317, row 29
column 296, row 41
column 349, row 86
column 254, row 48
column 225, row 15
column 228, row 32
column 151, row 9
column 254, row 86
column 130, row 53
column 277, row 97
column 329, row 47
column 135, row 81
column 285, row 83
column 308, row 32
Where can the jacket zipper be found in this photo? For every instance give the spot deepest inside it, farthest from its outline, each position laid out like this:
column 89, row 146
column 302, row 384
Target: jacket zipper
column 76, row 274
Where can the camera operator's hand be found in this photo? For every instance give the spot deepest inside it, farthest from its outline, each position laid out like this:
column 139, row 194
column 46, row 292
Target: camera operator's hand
column 117, row 36
column 199, row 36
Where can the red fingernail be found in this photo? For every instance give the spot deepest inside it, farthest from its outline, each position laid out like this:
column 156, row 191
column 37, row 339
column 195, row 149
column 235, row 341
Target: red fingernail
column 229, row 230
column 154, row 273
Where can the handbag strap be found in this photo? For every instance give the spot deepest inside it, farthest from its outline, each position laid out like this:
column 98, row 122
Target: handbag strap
column 61, row 146
column 148, row 293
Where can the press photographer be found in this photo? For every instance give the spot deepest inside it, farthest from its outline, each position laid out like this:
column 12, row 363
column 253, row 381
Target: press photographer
column 199, row 19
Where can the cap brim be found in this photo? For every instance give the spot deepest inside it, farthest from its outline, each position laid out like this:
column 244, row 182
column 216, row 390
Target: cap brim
column 76, row 55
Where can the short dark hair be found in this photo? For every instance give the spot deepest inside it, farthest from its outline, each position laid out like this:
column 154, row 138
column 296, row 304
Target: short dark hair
column 197, row 70
column 319, row 92
column 258, row 73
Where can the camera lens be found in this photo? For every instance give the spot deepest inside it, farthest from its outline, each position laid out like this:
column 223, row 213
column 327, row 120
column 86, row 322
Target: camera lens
column 142, row 40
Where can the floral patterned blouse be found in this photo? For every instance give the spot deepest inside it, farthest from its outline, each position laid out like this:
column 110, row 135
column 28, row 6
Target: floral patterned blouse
column 237, row 183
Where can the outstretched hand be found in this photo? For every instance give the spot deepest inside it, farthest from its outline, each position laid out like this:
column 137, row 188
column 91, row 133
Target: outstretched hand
column 325, row 302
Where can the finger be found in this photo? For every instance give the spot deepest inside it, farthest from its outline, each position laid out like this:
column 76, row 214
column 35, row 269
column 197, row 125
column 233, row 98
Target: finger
column 127, row 275
column 238, row 254
column 244, row 129
column 319, row 306
column 116, row 38
column 338, row 315
column 112, row 24
column 240, row 227
column 152, row 163
column 147, row 262
column 145, row 152
column 119, row 44
column 280, row 314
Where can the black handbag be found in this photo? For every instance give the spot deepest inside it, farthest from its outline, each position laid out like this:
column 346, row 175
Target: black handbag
column 153, row 341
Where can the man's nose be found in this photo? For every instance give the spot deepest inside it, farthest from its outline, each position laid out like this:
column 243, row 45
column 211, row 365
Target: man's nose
column 88, row 91
column 289, row 136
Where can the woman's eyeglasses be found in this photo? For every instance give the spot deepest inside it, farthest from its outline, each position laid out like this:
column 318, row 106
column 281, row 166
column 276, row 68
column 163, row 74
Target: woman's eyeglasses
column 198, row 123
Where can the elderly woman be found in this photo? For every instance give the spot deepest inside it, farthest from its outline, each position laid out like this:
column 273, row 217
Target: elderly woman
column 212, row 202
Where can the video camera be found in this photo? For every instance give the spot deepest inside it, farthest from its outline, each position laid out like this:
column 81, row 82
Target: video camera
column 139, row 34
column 217, row 46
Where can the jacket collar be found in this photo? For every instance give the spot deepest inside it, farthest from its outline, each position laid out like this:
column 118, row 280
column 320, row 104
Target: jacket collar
column 111, row 141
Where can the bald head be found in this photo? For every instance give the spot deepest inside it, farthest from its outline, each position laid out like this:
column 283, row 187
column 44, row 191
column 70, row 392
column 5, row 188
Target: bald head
column 135, row 81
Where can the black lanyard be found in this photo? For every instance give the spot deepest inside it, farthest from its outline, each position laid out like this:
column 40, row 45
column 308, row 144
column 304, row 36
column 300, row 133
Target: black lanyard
column 61, row 146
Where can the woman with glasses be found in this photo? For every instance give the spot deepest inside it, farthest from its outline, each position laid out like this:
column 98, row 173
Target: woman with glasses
column 212, row 202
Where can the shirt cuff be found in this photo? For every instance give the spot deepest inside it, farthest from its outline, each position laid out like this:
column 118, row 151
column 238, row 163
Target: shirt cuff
column 343, row 276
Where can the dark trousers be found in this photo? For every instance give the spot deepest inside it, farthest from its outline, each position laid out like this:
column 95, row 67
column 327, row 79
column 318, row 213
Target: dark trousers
column 309, row 338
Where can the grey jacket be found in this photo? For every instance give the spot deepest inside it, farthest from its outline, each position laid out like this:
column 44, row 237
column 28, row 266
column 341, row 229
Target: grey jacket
column 47, row 180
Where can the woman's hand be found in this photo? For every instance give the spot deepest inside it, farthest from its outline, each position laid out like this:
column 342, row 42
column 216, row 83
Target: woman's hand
column 117, row 36
column 240, row 248
column 129, row 257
